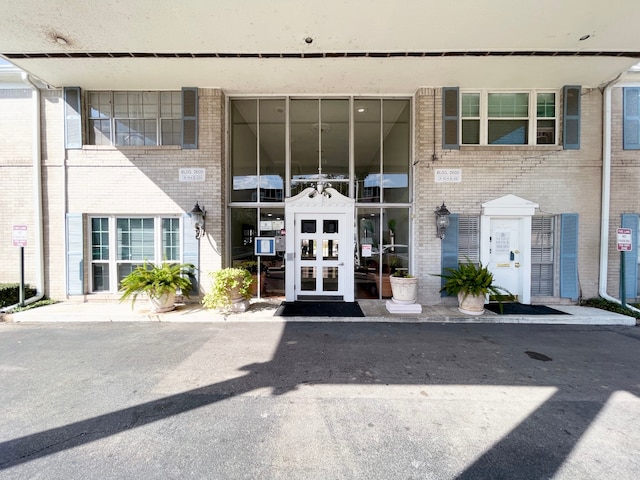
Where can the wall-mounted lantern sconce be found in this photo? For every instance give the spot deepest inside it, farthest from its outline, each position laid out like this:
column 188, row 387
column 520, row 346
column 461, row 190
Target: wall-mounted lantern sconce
column 442, row 221
column 198, row 214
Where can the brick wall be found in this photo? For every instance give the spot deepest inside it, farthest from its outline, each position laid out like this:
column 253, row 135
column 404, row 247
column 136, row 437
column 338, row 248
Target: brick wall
column 625, row 179
column 17, row 194
column 560, row 181
column 107, row 180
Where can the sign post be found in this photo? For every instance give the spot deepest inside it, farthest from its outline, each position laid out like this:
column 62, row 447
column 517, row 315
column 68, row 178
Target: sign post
column 19, row 236
column 624, row 244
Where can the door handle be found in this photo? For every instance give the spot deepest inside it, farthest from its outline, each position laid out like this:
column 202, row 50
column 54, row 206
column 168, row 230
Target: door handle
column 517, row 265
column 341, row 264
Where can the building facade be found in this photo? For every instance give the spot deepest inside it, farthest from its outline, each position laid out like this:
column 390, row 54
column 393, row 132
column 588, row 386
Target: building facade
column 325, row 189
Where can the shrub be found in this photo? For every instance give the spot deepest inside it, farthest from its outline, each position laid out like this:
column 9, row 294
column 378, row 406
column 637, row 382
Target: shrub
column 10, row 293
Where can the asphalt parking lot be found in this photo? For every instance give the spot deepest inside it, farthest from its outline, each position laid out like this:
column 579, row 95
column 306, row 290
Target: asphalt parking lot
column 319, row 400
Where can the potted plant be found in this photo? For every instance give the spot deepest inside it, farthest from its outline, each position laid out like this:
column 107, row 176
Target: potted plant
column 404, row 287
column 230, row 286
column 471, row 283
column 159, row 283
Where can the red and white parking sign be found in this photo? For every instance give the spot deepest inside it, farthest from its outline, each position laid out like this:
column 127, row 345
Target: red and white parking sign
column 624, row 240
column 19, row 236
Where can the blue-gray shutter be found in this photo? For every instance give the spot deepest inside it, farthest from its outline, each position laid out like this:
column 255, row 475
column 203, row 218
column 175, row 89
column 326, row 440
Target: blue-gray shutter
column 450, row 118
column 75, row 251
column 630, row 259
column 189, row 117
column 569, row 287
column 571, row 119
column 449, row 251
column 72, row 118
column 191, row 251
column 631, row 124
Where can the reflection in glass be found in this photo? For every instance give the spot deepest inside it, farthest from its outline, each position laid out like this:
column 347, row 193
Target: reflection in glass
column 272, row 150
column 367, row 117
column 244, row 166
column 330, row 249
column 307, row 249
column 330, row 279
column 308, row 279
column 395, row 143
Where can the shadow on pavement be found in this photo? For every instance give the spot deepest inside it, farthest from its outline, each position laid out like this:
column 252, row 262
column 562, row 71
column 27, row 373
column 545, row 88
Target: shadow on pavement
column 391, row 354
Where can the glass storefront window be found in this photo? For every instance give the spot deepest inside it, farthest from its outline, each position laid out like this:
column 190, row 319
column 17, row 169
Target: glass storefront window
column 396, row 151
column 244, row 161
column 382, row 239
column 328, row 137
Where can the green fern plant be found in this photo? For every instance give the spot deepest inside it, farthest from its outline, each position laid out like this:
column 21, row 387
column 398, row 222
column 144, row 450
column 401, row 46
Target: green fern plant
column 225, row 281
column 155, row 281
column 471, row 279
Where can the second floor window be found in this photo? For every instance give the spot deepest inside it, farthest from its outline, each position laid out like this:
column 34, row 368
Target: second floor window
column 508, row 118
column 135, row 118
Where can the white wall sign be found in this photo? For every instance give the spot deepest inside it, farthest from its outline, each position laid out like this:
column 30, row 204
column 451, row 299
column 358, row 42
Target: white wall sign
column 191, row 174
column 448, row 175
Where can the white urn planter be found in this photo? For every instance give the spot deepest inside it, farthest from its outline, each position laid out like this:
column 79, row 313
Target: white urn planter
column 163, row 303
column 404, row 289
column 471, row 304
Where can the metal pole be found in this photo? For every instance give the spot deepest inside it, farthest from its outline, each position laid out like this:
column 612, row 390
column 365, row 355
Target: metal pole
column 22, row 293
column 623, row 292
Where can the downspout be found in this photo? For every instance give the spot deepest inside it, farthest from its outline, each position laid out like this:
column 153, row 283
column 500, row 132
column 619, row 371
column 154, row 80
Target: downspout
column 37, row 192
column 606, row 195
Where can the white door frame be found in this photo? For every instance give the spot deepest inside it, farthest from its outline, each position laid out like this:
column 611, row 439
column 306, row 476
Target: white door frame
column 311, row 201
column 513, row 207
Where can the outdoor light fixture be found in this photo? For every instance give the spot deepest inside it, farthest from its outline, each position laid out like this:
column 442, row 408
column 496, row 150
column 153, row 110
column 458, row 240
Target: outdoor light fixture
column 197, row 214
column 442, row 221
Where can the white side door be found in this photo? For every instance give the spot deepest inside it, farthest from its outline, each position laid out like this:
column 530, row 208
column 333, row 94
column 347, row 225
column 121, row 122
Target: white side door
column 505, row 254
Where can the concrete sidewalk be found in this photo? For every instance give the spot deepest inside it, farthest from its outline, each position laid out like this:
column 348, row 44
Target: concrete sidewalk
column 262, row 310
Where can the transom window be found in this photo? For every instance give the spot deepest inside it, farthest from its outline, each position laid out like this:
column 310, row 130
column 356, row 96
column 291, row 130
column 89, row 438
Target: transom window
column 135, row 118
column 508, row 118
column 120, row 244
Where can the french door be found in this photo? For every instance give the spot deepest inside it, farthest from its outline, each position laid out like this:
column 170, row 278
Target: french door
column 321, row 250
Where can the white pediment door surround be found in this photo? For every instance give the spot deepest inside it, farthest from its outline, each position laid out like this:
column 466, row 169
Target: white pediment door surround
column 310, row 201
column 510, row 261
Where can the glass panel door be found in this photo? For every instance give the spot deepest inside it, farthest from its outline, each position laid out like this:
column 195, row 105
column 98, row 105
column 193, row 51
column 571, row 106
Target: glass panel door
column 321, row 269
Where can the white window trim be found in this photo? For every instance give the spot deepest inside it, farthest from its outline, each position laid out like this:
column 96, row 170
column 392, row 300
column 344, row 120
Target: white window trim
column 113, row 247
column 532, row 119
column 112, row 118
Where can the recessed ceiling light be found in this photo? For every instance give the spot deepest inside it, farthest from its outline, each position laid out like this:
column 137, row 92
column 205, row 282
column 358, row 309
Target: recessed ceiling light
column 361, row 109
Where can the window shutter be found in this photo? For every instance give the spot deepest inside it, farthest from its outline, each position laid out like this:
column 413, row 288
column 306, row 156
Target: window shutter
column 191, row 251
column 449, row 253
column 450, row 116
column 469, row 238
column 72, row 118
column 75, row 246
column 542, row 256
column 631, row 125
column 189, row 117
column 571, row 124
column 569, row 256
column 630, row 259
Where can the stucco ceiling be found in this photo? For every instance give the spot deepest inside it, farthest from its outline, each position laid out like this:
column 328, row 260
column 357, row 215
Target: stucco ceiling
column 333, row 47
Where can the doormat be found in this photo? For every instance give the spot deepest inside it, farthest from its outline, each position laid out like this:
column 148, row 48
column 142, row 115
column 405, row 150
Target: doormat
column 319, row 309
column 520, row 309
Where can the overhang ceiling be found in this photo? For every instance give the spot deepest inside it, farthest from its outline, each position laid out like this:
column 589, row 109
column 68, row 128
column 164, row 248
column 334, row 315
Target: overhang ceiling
column 332, row 47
